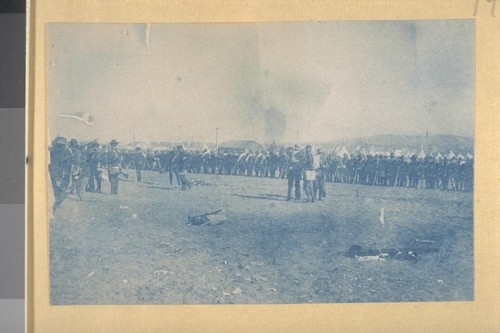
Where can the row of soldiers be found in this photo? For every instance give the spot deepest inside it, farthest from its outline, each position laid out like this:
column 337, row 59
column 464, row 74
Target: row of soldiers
column 436, row 172
column 78, row 168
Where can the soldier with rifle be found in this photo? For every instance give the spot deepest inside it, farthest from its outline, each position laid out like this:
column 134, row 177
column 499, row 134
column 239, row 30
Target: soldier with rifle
column 59, row 169
column 94, row 158
column 113, row 164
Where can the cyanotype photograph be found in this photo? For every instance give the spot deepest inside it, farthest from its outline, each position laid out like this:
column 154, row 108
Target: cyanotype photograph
column 261, row 163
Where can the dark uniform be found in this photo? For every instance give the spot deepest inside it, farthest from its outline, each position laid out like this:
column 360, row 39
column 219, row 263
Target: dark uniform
column 114, row 168
column 139, row 163
column 308, row 164
column 319, row 182
column 79, row 169
column 294, row 173
column 183, row 161
column 59, row 169
column 94, row 159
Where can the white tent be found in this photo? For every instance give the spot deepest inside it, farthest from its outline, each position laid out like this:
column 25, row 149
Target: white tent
column 398, row 153
column 450, row 155
column 342, row 152
column 422, row 154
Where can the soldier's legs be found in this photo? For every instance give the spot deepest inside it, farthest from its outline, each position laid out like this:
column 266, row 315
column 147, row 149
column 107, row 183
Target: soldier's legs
column 290, row 187
column 91, row 183
column 186, row 184
column 297, row 189
column 138, row 173
column 308, row 189
column 113, row 181
column 98, row 180
column 80, row 187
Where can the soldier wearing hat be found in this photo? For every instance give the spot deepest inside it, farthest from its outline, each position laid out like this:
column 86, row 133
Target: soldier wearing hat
column 114, row 168
column 139, row 162
column 59, row 168
column 294, row 173
column 79, row 169
column 309, row 173
column 94, row 158
column 320, row 165
column 183, row 162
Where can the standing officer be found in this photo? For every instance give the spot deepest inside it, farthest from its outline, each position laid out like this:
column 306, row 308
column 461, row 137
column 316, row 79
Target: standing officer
column 114, row 168
column 183, row 161
column 59, row 169
column 320, row 164
column 309, row 173
column 294, row 173
column 94, row 158
column 139, row 162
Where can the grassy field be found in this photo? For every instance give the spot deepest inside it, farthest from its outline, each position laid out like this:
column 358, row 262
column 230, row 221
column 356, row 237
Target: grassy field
column 137, row 248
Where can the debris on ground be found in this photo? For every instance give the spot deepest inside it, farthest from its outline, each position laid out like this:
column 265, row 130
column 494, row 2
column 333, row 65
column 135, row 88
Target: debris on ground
column 361, row 253
column 424, row 241
column 207, row 219
column 237, row 291
column 198, row 182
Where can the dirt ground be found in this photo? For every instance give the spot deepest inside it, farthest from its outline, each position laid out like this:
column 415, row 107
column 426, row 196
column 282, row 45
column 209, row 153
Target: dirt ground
column 137, row 248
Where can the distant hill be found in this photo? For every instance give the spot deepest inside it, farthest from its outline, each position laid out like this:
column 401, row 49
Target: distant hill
column 433, row 143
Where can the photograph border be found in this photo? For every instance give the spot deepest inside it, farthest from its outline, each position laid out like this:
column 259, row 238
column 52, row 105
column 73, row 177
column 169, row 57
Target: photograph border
column 478, row 315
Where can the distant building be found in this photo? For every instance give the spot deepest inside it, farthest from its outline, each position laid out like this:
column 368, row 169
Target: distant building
column 240, row 146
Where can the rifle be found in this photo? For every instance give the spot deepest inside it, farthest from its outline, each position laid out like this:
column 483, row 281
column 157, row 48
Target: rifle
column 202, row 219
column 89, row 143
column 123, row 174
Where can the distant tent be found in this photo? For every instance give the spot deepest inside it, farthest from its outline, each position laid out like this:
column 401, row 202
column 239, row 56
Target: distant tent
column 372, row 152
column 398, row 153
column 422, row 154
column 450, row 155
column 469, row 155
column 460, row 156
column 438, row 156
column 343, row 151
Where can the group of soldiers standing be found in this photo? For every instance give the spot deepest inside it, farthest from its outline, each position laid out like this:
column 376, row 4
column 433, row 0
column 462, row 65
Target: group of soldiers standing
column 77, row 168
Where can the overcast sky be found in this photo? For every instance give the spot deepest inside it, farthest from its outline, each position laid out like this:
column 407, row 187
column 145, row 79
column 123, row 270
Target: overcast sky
column 327, row 80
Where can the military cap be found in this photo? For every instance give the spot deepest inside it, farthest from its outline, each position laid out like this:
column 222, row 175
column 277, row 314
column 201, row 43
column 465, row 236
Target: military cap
column 73, row 143
column 59, row 140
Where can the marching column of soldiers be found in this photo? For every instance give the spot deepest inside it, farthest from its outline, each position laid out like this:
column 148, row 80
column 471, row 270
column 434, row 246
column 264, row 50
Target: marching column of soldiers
column 77, row 168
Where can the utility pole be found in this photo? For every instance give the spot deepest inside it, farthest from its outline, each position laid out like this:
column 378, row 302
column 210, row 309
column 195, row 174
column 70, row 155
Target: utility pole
column 216, row 138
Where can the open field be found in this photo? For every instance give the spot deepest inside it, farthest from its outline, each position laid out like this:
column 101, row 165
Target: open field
column 137, row 248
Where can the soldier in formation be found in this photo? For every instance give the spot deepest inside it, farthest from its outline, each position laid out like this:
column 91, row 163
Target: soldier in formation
column 113, row 165
column 77, row 168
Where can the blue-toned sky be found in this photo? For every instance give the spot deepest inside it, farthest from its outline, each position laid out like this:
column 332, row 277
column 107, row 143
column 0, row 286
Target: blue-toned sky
column 327, row 80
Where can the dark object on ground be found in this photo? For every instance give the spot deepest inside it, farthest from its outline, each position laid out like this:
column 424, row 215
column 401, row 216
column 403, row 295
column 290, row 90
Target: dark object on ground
column 361, row 253
column 204, row 219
